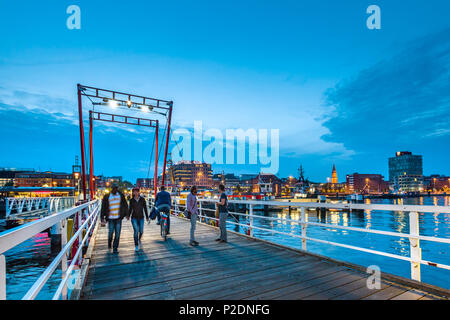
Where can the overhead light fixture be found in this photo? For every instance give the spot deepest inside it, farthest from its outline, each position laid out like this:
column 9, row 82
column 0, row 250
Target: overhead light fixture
column 113, row 103
column 129, row 103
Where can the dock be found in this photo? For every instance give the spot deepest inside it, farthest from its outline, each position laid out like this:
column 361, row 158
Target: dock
column 241, row 269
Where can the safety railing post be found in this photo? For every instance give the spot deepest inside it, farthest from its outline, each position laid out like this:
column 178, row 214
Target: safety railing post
column 2, row 277
column 80, row 236
column 414, row 243
column 200, row 211
column 63, row 229
column 303, row 226
column 250, row 211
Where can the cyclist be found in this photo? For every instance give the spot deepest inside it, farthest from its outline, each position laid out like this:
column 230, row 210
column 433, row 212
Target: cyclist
column 163, row 203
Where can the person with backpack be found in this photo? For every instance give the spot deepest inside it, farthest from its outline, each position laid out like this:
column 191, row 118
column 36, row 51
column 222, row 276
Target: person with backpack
column 163, row 202
column 191, row 206
column 223, row 214
column 138, row 206
column 114, row 209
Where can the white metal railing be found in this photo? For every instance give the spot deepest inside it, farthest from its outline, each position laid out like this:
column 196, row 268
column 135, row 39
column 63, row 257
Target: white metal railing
column 414, row 237
column 87, row 212
column 24, row 205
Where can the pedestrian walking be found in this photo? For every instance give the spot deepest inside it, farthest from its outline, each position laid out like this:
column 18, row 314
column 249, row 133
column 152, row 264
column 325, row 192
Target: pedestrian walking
column 114, row 209
column 138, row 207
column 222, row 204
column 191, row 205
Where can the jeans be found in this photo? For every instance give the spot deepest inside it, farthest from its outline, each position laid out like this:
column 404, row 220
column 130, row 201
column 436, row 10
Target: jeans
column 223, row 225
column 138, row 227
column 193, row 225
column 114, row 226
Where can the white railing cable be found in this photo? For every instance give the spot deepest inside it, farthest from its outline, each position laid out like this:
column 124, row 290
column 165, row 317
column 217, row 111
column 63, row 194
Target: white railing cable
column 40, row 282
column 10, row 239
column 414, row 237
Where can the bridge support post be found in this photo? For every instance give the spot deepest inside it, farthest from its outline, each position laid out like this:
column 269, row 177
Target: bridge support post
column 303, row 222
column 414, row 243
column 251, row 221
column 64, row 258
column 2, row 277
column 55, row 238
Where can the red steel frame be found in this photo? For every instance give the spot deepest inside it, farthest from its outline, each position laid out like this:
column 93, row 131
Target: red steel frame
column 109, row 117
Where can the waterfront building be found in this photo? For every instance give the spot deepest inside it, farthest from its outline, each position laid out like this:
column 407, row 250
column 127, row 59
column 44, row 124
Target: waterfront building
column 8, row 175
column 406, row 172
column 189, row 173
column 43, row 179
column 144, row 183
column 366, row 183
column 436, row 183
column 334, row 178
column 229, row 180
column 266, row 183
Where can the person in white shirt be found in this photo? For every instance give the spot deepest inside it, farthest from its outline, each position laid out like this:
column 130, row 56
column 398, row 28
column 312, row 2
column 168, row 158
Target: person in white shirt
column 114, row 209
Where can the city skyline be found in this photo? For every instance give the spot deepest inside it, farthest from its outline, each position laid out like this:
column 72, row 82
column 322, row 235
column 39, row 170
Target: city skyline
column 324, row 74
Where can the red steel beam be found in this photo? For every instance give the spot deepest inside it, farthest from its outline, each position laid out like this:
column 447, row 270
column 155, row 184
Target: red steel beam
column 83, row 168
column 156, row 158
column 91, row 162
column 116, row 118
column 101, row 94
column 167, row 143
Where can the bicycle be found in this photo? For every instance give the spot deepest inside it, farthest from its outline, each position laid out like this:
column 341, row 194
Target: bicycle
column 164, row 222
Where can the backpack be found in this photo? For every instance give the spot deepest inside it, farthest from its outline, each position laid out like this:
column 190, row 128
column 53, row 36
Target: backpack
column 153, row 213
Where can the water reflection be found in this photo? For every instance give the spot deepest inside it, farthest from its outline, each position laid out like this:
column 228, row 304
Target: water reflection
column 430, row 224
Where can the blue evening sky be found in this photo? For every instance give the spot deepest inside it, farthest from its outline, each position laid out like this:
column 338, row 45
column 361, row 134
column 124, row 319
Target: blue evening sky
column 337, row 91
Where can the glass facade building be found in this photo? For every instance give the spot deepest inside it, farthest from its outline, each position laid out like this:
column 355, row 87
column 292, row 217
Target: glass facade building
column 406, row 172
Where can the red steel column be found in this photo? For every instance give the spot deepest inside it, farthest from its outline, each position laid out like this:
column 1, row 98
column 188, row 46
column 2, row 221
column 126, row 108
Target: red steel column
column 83, row 160
column 167, row 142
column 156, row 157
column 91, row 162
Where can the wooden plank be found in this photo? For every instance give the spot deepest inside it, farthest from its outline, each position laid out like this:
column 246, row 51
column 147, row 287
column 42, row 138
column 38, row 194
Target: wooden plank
column 386, row 293
column 177, row 273
column 409, row 295
column 359, row 293
column 241, row 269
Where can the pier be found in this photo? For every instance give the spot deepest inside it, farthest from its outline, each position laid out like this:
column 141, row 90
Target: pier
column 244, row 268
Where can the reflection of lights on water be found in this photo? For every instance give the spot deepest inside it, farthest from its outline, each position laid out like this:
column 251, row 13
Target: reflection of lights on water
column 345, row 219
column 368, row 216
column 334, row 217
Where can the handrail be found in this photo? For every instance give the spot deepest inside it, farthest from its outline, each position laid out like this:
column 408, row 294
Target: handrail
column 23, row 205
column 11, row 238
column 414, row 237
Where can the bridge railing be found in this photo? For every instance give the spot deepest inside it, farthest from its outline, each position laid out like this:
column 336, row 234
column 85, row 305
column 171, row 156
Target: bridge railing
column 86, row 214
column 15, row 207
column 415, row 257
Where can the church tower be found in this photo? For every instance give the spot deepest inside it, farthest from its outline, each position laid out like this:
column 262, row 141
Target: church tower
column 334, row 179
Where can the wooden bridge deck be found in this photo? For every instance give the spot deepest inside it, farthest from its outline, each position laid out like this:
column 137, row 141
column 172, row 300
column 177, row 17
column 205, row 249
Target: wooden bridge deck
column 240, row 269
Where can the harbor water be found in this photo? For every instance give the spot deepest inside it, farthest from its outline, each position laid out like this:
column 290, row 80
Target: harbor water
column 431, row 224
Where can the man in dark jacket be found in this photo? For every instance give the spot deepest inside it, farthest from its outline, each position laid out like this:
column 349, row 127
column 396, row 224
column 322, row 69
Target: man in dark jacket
column 163, row 202
column 114, row 209
column 138, row 206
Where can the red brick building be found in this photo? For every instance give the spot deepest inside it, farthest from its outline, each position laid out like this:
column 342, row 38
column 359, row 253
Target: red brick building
column 366, row 183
